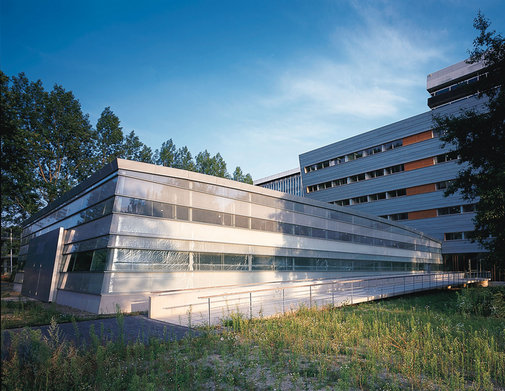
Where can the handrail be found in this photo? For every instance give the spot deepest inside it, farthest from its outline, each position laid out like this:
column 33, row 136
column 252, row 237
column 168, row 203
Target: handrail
column 340, row 291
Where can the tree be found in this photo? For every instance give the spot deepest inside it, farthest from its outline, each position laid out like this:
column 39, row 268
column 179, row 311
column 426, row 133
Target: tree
column 166, row 155
column 184, row 159
column 134, row 149
column 47, row 145
column 478, row 137
column 239, row 176
column 215, row 165
column 109, row 138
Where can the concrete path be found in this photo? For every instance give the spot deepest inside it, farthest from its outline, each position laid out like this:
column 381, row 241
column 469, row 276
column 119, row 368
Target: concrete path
column 135, row 328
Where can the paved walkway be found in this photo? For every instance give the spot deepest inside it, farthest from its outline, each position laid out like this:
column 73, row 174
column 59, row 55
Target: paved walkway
column 135, row 328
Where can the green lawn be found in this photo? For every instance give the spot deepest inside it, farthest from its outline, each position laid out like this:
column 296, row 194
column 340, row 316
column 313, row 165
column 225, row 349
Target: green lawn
column 446, row 340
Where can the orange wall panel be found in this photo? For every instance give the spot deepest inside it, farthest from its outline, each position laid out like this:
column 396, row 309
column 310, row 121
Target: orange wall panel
column 416, row 138
column 421, row 189
column 419, row 164
column 423, row 214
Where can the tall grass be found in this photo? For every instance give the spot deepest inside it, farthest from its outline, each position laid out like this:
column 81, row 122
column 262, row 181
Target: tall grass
column 423, row 341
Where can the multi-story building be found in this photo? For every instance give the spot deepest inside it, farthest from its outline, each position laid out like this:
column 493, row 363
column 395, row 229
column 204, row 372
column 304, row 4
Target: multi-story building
column 288, row 182
column 400, row 171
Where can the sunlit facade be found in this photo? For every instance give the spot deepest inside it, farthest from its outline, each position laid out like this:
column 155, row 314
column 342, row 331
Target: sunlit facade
column 134, row 228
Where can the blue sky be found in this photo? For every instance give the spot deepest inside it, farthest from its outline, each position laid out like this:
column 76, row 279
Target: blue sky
column 258, row 81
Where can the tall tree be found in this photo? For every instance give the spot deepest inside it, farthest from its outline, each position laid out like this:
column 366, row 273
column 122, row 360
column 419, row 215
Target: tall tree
column 134, row 149
column 478, row 137
column 215, row 165
column 165, row 156
column 184, row 159
column 22, row 107
column 238, row 175
column 109, row 138
column 47, row 145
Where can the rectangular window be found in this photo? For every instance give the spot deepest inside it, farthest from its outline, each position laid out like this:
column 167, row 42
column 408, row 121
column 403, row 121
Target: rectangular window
column 443, row 185
column 318, row 233
column 301, row 230
column 182, row 213
column 399, row 216
column 241, row 221
column 393, row 145
column 468, row 208
column 397, row 193
column 163, row 210
column 207, row 216
column 359, row 200
column 454, row 236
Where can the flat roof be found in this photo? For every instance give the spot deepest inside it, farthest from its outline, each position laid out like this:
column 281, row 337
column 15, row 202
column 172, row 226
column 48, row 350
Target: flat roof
column 452, row 74
column 280, row 175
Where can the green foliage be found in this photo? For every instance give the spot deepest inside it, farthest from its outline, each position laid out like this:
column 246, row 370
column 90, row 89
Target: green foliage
column 109, row 138
column 135, row 150
column 478, row 138
column 239, row 176
column 482, row 301
column 184, row 159
column 166, row 155
column 420, row 341
column 46, row 145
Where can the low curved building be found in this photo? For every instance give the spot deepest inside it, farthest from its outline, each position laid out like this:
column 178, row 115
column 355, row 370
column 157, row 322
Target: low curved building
column 134, row 228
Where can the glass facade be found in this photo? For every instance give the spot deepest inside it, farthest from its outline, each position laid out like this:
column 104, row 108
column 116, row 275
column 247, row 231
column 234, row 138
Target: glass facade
column 139, row 230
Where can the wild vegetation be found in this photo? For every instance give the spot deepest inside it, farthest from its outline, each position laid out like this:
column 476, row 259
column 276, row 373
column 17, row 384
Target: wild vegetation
column 446, row 340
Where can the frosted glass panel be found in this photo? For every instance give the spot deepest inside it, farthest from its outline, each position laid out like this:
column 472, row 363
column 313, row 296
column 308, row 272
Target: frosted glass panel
column 129, row 259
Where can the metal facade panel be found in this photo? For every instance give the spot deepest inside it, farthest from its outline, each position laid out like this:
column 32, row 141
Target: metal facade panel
column 40, row 265
column 402, row 180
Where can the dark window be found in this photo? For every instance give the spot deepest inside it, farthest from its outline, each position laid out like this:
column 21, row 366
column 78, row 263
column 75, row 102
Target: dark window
column 163, row 210
column 182, row 213
column 241, row 221
column 318, row 233
column 468, row 208
column 454, row 236
column 301, row 230
column 207, row 216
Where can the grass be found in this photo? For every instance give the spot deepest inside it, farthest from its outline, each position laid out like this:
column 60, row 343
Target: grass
column 445, row 340
column 19, row 313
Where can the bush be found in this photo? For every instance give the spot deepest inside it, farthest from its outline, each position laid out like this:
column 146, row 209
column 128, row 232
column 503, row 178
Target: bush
column 482, row 301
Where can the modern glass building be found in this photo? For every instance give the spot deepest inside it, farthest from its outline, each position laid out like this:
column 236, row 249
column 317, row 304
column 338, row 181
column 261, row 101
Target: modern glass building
column 134, row 228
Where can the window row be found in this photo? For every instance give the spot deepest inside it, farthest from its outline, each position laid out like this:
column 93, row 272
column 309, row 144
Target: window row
column 461, row 84
column 356, row 178
column 140, row 189
column 445, row 157
column 166, row 260
column 85, row 261
column 156, row 209
column 101, row 192
column 354, row 155
column 449, row 210
column 96, row 211
column 372, row 197
column 468, row 235
column 387, row 195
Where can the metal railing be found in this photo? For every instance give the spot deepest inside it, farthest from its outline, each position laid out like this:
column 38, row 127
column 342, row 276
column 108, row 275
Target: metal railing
column 256, row 302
